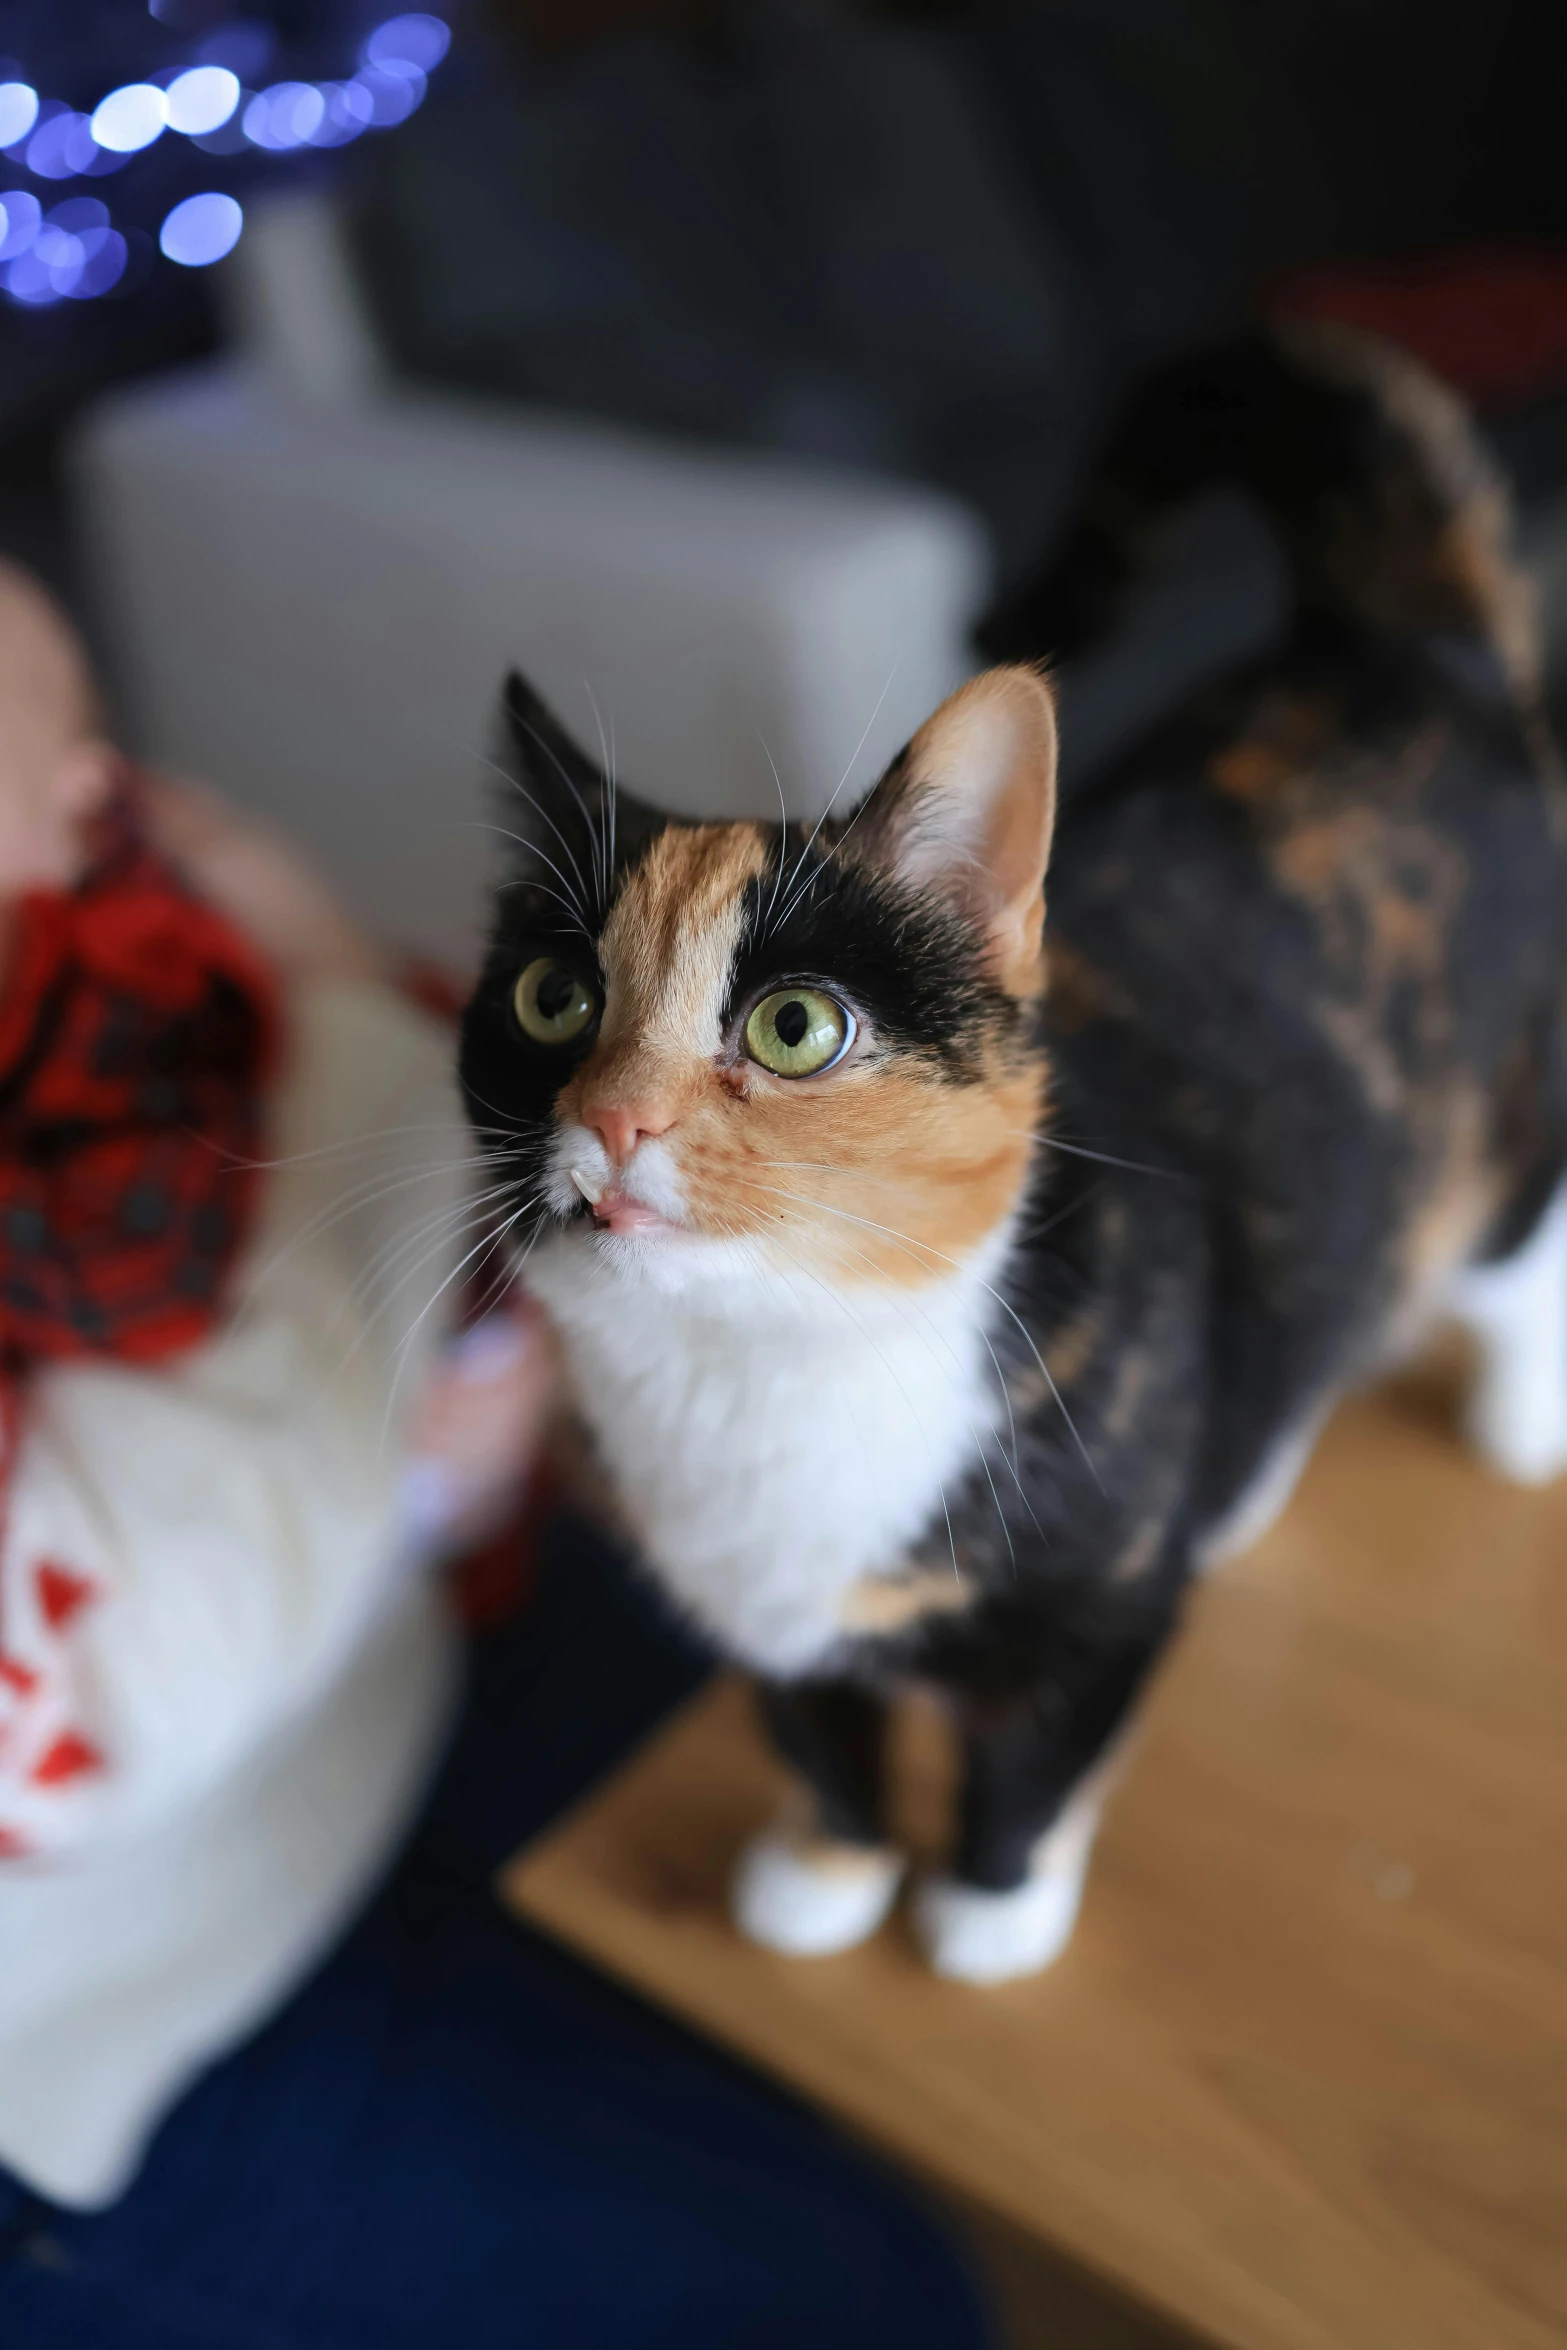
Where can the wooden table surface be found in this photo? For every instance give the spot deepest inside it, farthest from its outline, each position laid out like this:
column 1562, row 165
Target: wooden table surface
column 1300, row 2082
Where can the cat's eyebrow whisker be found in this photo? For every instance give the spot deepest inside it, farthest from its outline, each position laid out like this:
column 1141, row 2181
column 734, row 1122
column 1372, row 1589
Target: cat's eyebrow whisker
column 833, row 849
column 560, row 770
column 783, row 833
column 566, row 895
column 612, row 778
column 531, row 881
column 534, row 802
column 913, row 1248
column 794, row 895
column 605, row 867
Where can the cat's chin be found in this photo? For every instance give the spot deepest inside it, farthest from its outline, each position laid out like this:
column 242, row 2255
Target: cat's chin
column 663, row 1259
column 672, row 1262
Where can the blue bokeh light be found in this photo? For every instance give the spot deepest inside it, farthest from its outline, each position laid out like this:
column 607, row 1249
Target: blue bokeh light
column 349, row 110
column 79, row 215
column 23, row 213
column 104, row 257
column 417, row 40
column 201, row 100
column 18, row 111
column 72, row 253
column 130, row 118
column 75, row 251
column 392, row 96
column 29, row 280
column 201, row 230
column 62, row 145
column 285, row 116
column 60, row 253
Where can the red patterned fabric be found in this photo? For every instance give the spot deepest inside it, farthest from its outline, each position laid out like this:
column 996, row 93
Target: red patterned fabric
column 137, row 1034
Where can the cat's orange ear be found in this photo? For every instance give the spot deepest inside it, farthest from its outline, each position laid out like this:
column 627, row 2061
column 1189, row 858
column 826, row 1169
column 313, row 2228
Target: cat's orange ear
column 968, row 808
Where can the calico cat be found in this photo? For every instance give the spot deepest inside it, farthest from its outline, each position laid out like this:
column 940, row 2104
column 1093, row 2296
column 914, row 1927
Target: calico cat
column 942, row 1286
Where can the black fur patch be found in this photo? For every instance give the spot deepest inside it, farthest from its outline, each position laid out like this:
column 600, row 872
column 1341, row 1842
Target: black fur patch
column 1310, row 1020
column 909, row 963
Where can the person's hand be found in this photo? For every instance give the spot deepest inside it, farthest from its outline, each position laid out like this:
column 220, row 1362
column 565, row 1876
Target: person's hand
column 262, row 884
column 480, row 1424
column 56, row 768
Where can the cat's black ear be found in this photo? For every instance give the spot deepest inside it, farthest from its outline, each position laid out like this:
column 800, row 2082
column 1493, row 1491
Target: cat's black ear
column 576, row 825
column 966, row 812
column 552, row 770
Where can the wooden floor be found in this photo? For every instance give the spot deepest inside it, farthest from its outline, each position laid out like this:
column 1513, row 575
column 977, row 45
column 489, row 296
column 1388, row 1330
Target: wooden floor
column 1300, row 2083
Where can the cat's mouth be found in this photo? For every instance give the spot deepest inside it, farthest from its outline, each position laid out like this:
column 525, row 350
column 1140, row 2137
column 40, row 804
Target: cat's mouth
column 614, row 1210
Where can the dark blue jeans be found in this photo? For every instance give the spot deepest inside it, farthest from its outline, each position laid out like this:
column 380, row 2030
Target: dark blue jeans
column 453, row 2138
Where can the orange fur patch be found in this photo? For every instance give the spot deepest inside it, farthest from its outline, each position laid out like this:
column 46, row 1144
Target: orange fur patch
column 879, row 1171
column 666, row 954
column 888, row 1173
column 891, row 1603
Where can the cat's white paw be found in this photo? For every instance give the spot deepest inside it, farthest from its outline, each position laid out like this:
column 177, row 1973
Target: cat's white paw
column 1518, row 1426
column 808, row 1903
column 1516, row 1311
column 979, row 1937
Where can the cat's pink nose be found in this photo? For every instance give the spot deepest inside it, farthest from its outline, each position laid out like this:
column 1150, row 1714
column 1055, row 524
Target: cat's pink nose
column 620, row 1126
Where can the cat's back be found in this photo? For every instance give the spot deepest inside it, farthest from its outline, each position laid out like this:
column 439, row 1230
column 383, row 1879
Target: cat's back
column 1309, row 967
column 1291, row 896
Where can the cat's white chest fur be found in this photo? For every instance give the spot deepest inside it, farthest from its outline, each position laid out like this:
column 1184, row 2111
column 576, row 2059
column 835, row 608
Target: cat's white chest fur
column 768, row 1459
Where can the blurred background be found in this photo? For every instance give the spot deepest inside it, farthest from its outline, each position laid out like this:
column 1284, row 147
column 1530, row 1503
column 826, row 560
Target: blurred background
column 721, row 364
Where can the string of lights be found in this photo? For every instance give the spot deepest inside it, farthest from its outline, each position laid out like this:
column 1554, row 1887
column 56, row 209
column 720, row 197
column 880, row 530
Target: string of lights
column 75, row 250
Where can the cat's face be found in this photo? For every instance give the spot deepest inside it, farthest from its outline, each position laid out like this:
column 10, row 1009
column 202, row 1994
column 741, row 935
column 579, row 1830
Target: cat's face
column 726, row 1056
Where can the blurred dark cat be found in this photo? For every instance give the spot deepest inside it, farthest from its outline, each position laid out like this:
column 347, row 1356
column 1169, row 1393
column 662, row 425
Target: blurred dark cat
column 943, row 1286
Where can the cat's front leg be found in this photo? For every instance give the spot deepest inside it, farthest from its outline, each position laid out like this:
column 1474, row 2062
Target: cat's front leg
column 824, row 1876
column 1036, row 1771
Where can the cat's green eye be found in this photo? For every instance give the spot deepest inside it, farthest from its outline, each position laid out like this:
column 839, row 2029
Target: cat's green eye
column 798, row 1032
column 552, row 1004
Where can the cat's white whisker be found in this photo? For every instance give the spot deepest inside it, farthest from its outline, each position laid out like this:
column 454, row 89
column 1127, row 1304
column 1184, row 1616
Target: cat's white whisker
column 783, row 833
column 437, row 1233
column 914, row 1248
column 795, row 895
column 360, row 1198
column 450, row 1216
column 605, row 851
column 540, row 808
column 845, row 1308
column 570, row 900
column 490, row 1241
column 1076, row 1150
column 824, row 1167
column 904, row 1304
column 354, row 1143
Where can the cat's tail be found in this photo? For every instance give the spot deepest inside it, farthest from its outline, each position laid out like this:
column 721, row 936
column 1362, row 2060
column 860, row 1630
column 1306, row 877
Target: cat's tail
column 1394, row 519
